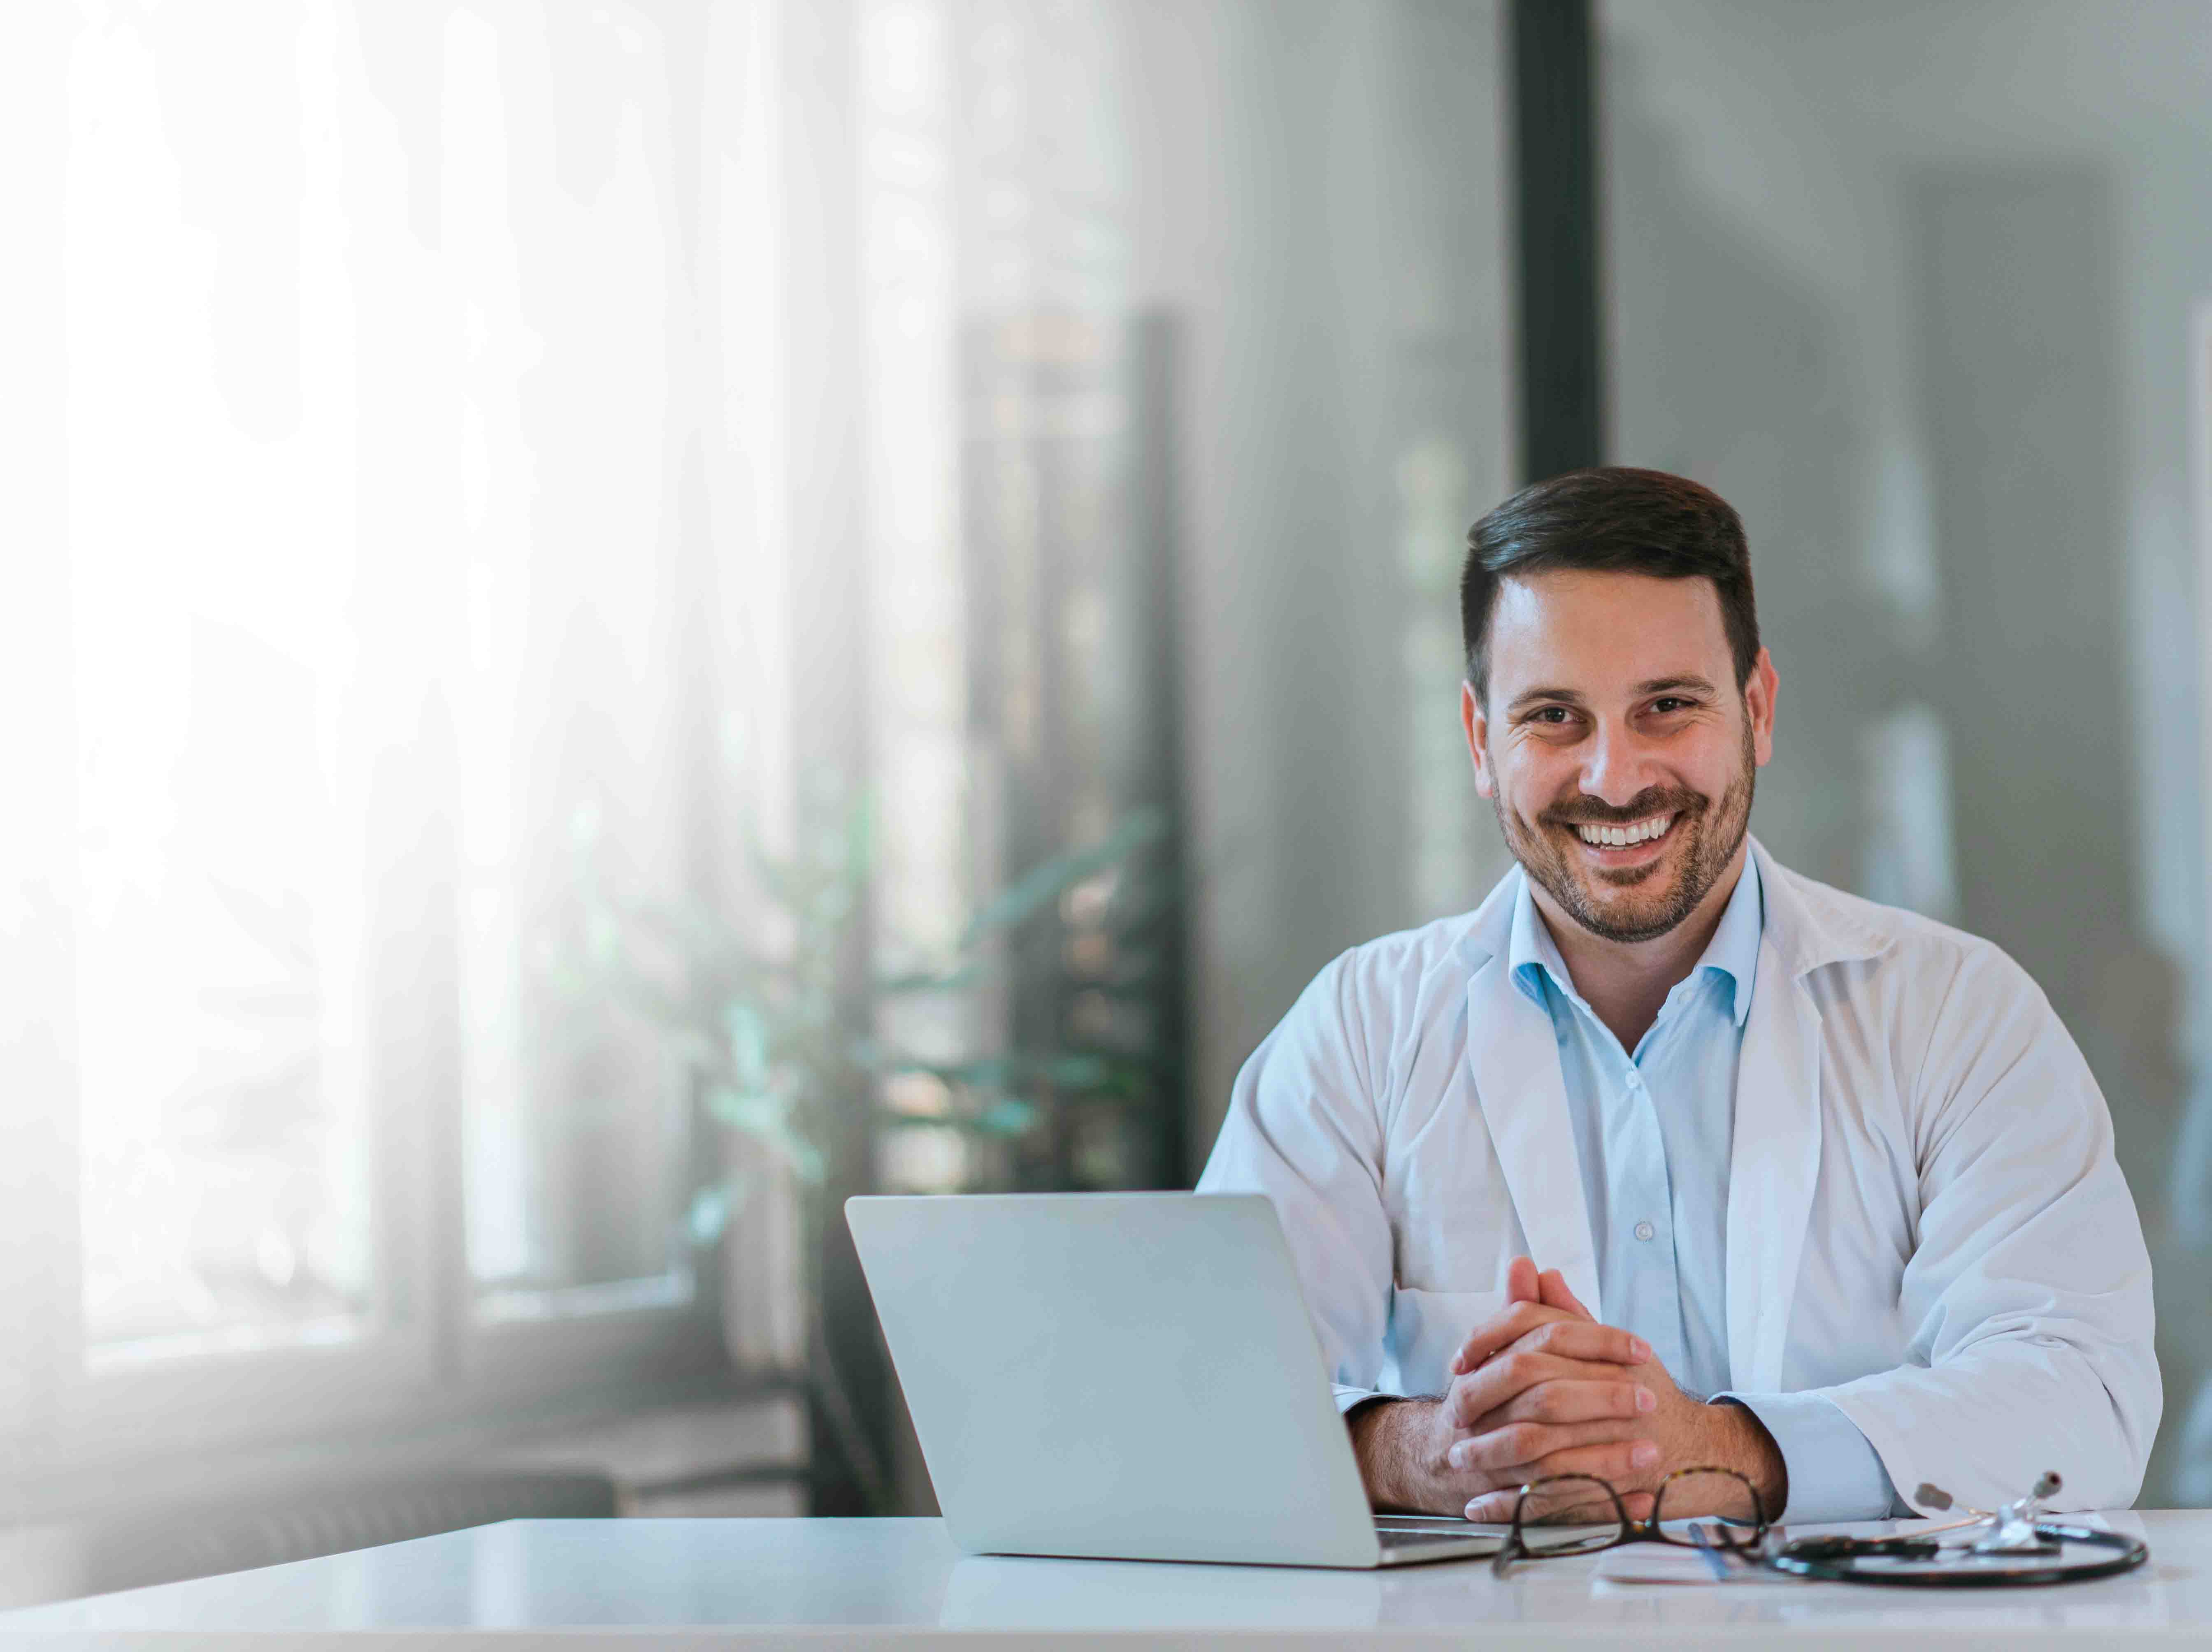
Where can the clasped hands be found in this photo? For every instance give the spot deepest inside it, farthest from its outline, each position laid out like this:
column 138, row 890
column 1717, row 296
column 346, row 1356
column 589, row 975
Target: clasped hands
column 1541, row 1389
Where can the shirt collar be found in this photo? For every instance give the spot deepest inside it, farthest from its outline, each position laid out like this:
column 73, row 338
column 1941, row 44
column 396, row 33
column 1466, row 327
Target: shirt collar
column 1531, row 954
column 1733, row 949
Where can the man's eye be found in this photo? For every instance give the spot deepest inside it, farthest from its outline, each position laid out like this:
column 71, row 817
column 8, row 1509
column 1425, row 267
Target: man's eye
column 1669, row 702
column 1550, row 714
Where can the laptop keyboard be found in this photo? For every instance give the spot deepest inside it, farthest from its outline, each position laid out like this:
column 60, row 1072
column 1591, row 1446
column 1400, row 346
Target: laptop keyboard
column 1398, row 1539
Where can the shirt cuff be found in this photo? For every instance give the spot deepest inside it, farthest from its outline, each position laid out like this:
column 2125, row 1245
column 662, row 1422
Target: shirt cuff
column 1834, row 1472
column 1350, row 1400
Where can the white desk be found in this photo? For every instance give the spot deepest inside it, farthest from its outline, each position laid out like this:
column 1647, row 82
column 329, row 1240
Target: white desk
column 856, row 1582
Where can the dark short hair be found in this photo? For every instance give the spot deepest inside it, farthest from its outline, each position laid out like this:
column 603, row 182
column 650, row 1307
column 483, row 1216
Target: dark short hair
column 1609, row 519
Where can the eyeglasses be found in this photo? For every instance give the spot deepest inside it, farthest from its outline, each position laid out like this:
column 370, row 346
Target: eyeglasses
column 1713, row 1509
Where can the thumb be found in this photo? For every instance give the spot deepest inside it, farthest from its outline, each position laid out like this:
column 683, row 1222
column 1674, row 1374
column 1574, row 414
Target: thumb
column 1522, row 1283
column 1552, row 1292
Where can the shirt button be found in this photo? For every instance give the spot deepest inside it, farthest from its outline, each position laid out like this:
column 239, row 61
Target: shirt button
column 1635, row 1079
column 1644, row 1230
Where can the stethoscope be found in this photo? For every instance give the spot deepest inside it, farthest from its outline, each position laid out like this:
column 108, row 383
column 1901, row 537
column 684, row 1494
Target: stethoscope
column 2020, row 1546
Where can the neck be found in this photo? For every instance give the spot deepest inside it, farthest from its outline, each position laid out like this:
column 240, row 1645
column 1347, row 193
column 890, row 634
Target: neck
column 1625, row 982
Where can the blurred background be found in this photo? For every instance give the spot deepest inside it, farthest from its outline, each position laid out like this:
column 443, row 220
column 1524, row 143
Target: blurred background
column 622, row 620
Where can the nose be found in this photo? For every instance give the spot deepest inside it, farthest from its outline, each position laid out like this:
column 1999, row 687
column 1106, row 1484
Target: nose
column 1614, row 766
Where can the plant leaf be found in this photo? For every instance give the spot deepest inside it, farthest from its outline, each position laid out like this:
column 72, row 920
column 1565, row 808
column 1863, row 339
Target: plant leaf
column 1077, row 1072
column 757, row 1113
column 1041, row 885
column 987, row 1072
column 779, row 878
column 872, row 1056
column 748, row 1043
column 1009, row 1115
column 803, row 1155
column 931, row 980
column 709, row 1214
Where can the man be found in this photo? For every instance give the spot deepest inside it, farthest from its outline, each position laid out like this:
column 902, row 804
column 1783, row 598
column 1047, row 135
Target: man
column 1823, row 1191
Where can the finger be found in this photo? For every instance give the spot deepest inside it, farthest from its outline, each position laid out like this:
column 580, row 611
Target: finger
column 1548, row 1330
column 1502, row 1330
column 1582, row 1503
column 1622, row 1462
column 1571, row 1399
column 1551, row 1290
column 1523, row 1451
column 1619, row 1463
column 1585, row 1338
column 1577, row 1502
column 1495, row 1506
column 1522, row 1282
column 1474, row 1395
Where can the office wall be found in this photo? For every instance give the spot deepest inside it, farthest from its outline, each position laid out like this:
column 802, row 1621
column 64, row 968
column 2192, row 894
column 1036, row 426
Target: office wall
column 1913, row 286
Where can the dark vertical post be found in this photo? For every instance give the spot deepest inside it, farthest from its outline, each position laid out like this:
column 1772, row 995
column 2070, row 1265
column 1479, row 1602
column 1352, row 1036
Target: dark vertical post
column 1155, row 502
column 1555, row 197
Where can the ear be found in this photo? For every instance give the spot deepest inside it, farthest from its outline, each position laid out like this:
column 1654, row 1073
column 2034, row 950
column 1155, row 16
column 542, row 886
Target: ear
column 1758, row 690
column 1477, row 728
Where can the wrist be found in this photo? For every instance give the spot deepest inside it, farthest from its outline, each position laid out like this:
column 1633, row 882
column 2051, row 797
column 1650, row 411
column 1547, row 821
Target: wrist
column 1392, row 1440
column 1752, row 1452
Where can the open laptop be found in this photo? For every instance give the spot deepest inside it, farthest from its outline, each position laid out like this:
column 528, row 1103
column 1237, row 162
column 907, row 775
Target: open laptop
column 1127, row 1377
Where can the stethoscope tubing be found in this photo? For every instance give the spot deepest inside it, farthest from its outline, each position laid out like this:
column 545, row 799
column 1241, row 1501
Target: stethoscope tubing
column 2131, row 1552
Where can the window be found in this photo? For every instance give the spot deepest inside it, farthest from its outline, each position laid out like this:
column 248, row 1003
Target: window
column 409, row 530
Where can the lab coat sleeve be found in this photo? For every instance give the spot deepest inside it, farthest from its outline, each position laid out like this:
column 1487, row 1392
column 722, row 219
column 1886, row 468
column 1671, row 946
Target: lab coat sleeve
column 1834, row 1473
column 1303, row 1128
column 2028, row 1296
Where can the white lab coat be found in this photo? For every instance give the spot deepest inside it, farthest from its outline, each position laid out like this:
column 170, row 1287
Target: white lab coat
column 1925, row 1220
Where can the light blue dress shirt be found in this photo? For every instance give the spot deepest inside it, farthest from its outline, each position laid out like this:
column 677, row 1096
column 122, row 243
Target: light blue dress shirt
column 1653, row 1133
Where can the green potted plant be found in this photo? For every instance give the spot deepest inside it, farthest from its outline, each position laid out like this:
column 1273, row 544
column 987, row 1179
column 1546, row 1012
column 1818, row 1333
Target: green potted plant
column 778, row 1025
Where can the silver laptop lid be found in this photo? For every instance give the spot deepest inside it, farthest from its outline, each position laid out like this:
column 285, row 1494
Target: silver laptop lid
column 1123, row 1375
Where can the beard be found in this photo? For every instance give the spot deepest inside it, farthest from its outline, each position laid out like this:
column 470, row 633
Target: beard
column 1709, row 831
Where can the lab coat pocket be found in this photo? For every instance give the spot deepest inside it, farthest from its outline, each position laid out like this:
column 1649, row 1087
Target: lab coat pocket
column 1427, row 1329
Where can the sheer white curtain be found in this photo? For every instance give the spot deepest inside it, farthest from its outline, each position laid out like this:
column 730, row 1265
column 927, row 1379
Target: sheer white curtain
column 402, row 407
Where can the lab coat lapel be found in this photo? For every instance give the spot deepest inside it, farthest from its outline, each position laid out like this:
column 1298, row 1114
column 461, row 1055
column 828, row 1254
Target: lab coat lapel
column 1774, row 1166
column 1517, row 1075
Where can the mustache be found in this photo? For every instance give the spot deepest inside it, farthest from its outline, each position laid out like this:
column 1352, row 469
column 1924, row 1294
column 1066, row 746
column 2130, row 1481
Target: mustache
column 1653, row 800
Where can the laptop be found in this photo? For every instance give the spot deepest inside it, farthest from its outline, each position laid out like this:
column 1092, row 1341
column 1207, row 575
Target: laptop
column 1127, row 1377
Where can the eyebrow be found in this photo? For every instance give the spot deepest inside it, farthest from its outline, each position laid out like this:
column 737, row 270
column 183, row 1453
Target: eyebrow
column 1530, row 696
column 1661, row 684
column 1569, row 697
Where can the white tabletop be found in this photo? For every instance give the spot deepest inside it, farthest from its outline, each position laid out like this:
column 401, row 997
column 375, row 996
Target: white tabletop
column 873, row 1581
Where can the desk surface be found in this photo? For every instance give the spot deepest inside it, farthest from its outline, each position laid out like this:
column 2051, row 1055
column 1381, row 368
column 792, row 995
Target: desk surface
column 874, row 1582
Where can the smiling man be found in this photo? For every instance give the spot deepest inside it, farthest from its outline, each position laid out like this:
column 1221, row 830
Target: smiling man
column 1822, row 1192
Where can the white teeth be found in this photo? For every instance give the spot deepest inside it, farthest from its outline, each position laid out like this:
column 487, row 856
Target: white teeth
column 1619, row 837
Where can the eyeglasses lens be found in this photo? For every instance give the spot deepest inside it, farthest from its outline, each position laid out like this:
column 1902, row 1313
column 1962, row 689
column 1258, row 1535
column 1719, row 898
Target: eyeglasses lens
column 1569, row 1514
column 1723, row 1505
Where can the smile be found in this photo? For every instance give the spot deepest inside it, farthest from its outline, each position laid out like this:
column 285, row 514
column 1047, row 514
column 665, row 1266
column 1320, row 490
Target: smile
column 1617, row 837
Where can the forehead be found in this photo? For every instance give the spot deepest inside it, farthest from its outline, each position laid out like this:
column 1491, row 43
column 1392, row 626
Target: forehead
column 1596, row 633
